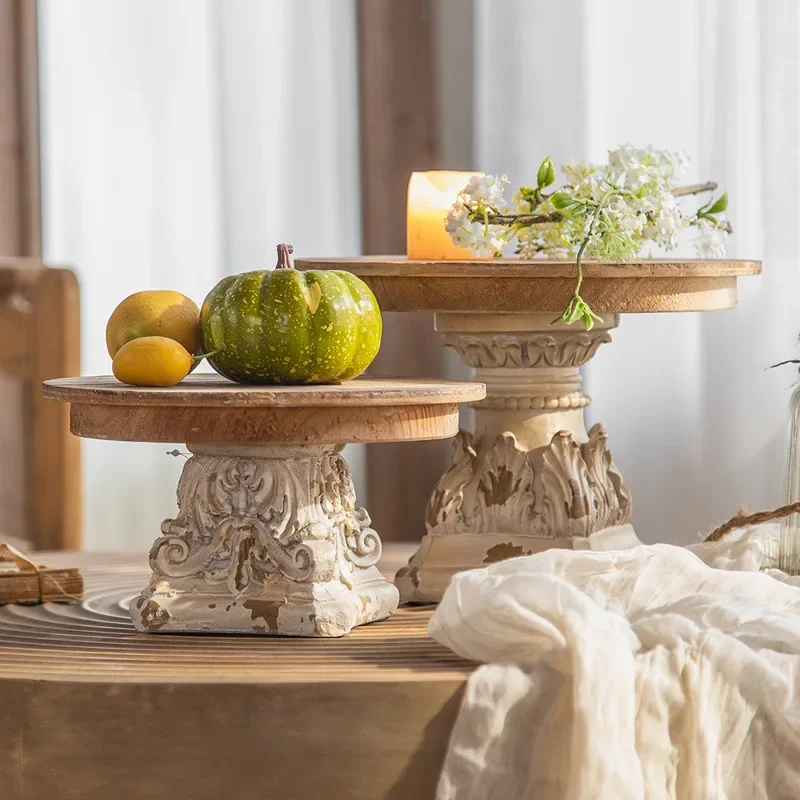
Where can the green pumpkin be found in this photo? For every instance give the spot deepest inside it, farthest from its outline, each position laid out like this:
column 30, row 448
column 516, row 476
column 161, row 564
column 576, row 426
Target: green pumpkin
column 290, row 327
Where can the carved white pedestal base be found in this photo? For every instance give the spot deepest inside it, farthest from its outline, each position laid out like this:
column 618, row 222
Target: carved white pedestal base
column 267, row 540
column 531, row 477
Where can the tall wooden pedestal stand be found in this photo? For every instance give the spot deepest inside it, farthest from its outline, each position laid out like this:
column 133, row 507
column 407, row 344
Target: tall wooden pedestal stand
column 530, row 476
column 268, row 537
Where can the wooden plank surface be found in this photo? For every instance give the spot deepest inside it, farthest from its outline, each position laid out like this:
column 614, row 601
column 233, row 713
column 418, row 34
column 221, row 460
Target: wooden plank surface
column 509, row 286
column 385, row 266
column 398, row 107
column 205, row 409
column 213, row 391
column 20, row 213
column 91, row 704
column 257, row 425
column 54, row 469
column 524, row 295
column 95, row 640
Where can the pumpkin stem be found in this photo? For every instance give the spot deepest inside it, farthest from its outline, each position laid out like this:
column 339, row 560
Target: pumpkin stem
column 283, row 256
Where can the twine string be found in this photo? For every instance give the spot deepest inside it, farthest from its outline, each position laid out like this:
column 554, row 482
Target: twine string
column 744, row 520
column 25, row 565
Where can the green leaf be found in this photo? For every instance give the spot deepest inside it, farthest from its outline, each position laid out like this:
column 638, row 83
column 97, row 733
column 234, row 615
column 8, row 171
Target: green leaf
column 546, row 174
column 719, row 206
column 526, row 193
column 561, row 200
column 589, row 317
column 575, row 314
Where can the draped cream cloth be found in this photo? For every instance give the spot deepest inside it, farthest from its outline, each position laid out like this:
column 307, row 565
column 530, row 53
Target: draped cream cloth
column 656, row 672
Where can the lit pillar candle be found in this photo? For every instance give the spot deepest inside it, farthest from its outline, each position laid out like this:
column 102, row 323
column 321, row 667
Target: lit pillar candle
column 430, row 196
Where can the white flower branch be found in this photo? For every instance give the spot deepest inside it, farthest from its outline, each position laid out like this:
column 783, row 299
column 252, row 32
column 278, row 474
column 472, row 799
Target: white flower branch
column 604, row 211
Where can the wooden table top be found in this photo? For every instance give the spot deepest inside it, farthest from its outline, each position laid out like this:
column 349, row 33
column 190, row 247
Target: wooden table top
column 512, row 285
column 536, row 268
column 207, row 409
column 216, row 392
column 95, row 640
column 91, row 709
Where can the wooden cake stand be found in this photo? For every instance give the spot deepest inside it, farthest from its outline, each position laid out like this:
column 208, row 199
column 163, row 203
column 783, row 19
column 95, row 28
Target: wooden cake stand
column 530, row 477
column 268, row 537
column 93, row 710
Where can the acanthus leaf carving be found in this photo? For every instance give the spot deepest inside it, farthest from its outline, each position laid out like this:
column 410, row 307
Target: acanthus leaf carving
column 499, row 496
column 576, row 491
column 567, row 501
column 584, row 491
column 613, row 503
column 448, row 496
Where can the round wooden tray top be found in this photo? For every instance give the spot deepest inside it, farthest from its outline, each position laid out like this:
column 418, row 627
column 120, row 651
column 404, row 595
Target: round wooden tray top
column 543, row 285
column 102, row 707
column 207, row 409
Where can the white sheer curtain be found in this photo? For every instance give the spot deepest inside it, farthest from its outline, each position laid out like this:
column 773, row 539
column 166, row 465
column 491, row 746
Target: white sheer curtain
column 695, row 422
column 179, row 140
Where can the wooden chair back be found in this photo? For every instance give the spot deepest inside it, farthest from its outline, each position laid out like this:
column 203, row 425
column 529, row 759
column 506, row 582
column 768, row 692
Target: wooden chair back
column 40, row 460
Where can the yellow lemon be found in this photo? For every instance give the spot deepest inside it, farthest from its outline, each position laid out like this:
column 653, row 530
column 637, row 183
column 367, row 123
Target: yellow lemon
column 152, row 361
column 154, row 313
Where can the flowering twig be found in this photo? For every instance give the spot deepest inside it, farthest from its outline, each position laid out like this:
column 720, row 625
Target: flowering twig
column 518, row 219
column 607, row 212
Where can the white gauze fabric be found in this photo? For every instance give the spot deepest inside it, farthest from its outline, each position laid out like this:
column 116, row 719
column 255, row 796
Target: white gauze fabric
column 654, row 672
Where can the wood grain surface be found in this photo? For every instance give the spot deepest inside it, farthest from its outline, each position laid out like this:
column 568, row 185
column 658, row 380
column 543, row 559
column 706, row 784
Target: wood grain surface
column 544, row 286
column 95, row 640
column 40, row 490
column 401, row 130
column 54, row 469
column 92, row 709
column 205, row 409
column 260, row 426
column 213, row 391
column 20, row 201
column 535, row 268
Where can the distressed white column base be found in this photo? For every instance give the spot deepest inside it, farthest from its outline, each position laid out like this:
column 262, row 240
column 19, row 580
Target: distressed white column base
column 284, row 608
column 430, row 570
column 268, row 540
column 531, row 477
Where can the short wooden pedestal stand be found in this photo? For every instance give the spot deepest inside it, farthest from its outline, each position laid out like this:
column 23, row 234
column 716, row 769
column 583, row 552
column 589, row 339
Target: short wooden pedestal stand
column 530, row 477
column 268, row 537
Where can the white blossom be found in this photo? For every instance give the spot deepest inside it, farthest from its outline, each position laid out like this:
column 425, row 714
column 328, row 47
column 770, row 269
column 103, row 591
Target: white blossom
column 665, row 223
column 711, row 241
column 632, row 168
column 668, row 225
column 630, row 197
column 489, row 240
column 627, row 167
column 456, row 217
column 585, row 178
column 489, row 188
column 483, row 240
column 625, row 216
column 464, row 236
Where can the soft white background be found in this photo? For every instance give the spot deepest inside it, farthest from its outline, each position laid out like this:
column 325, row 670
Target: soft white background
column 695, row 423
column 182, row 140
